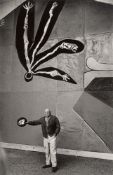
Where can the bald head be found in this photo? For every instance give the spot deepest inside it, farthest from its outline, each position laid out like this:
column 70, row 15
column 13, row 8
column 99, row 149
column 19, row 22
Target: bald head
column 47, row 112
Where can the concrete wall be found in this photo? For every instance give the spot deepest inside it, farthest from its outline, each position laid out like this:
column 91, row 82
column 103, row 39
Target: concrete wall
column 78, row 19
column 7, row 6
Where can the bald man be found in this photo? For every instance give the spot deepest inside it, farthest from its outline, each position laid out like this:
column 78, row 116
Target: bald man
column 50, row 129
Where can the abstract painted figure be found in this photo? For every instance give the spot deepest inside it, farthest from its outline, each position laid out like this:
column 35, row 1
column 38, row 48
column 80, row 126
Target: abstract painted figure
column 28, row 48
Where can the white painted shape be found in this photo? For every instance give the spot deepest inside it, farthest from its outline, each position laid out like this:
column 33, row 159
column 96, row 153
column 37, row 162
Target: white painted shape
column 94, row 65
column 44, row 58
column 54, row 5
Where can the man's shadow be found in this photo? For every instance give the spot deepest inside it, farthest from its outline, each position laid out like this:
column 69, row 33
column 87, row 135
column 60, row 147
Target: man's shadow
column 65, row 161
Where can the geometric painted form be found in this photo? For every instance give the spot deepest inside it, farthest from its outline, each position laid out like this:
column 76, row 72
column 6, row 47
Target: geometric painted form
column 94, row 106
column 97, row 115
column 102, row 89
column 76, row 134
column 101, row 84
column 28, row 47
column 90, row 76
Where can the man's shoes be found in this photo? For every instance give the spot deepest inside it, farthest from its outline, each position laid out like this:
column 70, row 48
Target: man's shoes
column 46, row 166
column 54, row 169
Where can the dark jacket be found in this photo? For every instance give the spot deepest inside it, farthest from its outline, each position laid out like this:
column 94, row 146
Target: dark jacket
column 53, row 125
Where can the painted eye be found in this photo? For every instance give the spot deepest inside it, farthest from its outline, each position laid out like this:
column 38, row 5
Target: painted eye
column 28, row 76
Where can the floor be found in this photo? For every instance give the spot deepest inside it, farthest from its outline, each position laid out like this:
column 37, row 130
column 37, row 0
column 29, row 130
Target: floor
column 30, row 163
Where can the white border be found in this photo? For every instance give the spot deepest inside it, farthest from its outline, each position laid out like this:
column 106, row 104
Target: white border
column 97, row 155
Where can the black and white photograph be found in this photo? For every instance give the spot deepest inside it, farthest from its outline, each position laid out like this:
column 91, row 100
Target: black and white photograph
column 56, row 87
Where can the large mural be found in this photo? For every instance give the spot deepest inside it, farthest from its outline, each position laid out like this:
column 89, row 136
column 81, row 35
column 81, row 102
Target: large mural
column 28, row 48
column 70, row 42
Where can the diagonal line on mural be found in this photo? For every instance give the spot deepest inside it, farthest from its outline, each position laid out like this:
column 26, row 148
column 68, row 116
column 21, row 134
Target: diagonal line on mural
column 93, row 132
column 97, row 115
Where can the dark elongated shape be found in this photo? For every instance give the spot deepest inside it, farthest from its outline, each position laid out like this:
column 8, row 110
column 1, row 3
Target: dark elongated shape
column 28, row 47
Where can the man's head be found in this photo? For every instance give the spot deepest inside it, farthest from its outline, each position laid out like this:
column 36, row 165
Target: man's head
column 47, row 112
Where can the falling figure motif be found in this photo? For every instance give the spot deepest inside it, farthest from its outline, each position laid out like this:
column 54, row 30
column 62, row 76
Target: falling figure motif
column 28, row 48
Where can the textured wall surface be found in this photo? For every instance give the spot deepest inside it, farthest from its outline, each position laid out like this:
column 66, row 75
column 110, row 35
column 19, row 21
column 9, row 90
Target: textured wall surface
column 85, row 115
column 7, row 6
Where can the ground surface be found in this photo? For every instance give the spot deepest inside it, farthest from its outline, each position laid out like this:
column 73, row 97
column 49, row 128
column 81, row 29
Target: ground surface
column 30, row 163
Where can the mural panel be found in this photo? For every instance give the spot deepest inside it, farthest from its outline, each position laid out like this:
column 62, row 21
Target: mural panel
column 82, row 68
column 95, row 105
column 28, row 49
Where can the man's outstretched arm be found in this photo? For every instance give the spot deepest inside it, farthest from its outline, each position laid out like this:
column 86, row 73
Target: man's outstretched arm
column 34, row 122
